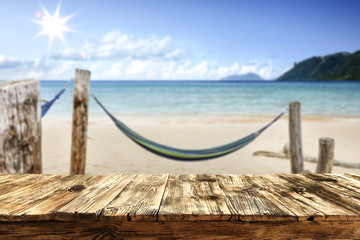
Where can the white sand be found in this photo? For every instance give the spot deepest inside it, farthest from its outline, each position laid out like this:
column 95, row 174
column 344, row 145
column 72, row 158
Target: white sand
column 110, row 151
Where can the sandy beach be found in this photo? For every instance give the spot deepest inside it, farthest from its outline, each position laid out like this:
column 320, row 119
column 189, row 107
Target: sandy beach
column 110, row 151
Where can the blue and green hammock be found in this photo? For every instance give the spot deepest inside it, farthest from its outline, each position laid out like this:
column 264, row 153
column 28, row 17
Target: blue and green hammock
column 46, row 106
column 182, row 154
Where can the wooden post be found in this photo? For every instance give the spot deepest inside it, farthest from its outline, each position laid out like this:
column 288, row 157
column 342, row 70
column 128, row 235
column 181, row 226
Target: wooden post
column 80, row 121
column 296, row 155
column 326, row 155
column 20, row 127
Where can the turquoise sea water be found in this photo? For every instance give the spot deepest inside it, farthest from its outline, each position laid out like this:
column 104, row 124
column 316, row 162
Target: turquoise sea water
column 211, row 98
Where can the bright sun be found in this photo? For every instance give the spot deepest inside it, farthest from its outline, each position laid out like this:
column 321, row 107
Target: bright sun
column 53, row 25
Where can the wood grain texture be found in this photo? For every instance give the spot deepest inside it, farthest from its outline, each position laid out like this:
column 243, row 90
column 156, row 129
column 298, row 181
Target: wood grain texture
column 15, row 204
column 19, row 183
column 180, row 230
column 200, row 206
column 194, row 198
column 289, row 196
column 48, row 205
column 139, row 201
column 92, row 201
column 326, row 155
column 296, row 154
column 80, row 121
column 20, row 127
column 251, row 201
column 322, row 198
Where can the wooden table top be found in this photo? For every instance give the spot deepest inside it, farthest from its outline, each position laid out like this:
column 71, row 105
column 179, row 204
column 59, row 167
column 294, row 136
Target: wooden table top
column 184, row 198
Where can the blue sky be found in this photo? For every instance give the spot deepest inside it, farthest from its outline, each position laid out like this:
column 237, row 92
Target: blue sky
column 178, row 39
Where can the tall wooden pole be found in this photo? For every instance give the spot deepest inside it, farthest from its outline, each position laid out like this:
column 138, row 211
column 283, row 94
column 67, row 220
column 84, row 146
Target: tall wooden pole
column 20, row 127
column 296, row 155
column 80, row 121
column 326, row 155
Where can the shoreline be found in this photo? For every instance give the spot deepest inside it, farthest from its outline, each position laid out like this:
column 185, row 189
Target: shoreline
column 199, row 119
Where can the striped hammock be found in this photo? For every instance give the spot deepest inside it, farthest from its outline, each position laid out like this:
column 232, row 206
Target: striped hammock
column 46, row 106
column 182, row 154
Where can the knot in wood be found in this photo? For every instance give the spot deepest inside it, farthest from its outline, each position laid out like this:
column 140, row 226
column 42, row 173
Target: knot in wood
column 76, row 188
column 299, row 190
column 209, row 197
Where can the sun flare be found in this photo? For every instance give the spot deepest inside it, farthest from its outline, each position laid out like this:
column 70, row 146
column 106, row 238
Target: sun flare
column 53, row 25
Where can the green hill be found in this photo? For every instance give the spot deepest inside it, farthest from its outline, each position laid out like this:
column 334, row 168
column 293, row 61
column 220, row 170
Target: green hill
column 338, row 66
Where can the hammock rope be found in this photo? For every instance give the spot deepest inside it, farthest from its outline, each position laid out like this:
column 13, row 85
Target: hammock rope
column 183, row 154
column 47, row 105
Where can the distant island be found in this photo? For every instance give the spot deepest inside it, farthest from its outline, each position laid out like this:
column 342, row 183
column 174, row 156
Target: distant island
column 338, row 66
column 244, row 77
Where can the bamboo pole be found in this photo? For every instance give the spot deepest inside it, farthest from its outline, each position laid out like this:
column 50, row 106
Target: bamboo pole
column 20, row 127
column 326, row 155
column 80, row 121
column 296, row 155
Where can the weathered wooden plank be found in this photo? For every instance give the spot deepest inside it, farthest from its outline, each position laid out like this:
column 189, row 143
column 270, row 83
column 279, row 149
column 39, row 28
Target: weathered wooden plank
column 306, row 204
column 181, row 230
column 91, row 203
column 80, row 121
column 139, row 201
column 20, row 127
column 323, row 199
column 250, row 204
column 22, row 193
column 349, row 183
column 193, row 198
column 349, row 179
column 23, row 185
column 11, row 178
column 15, row 205
column 182, row 198
column 274, row 189
column 296, row 154
column 15, row 181
column 323, row 193
column 5, row 176
column 353, row 176
column 338, row 193
column 347, row 195
column 47, row 205
column 326, row 155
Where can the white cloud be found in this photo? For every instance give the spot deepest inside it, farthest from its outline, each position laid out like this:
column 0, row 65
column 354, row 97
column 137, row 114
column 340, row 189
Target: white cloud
column 110, row 36
column 44, row 68
column 137, row 67
column 208, row 71
column 95, row 66
column 267, row 71
column 248, row 68
column 186, row 71
column 173, row 70
column 144, row 70
column 11, row 62
column 62, row 68
column 35, row 74
column 13, row 68
column 119, row 56
column 224, row 71
column 115, row 70
column 117, row 45
column 177, row 53
column 254, row 66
